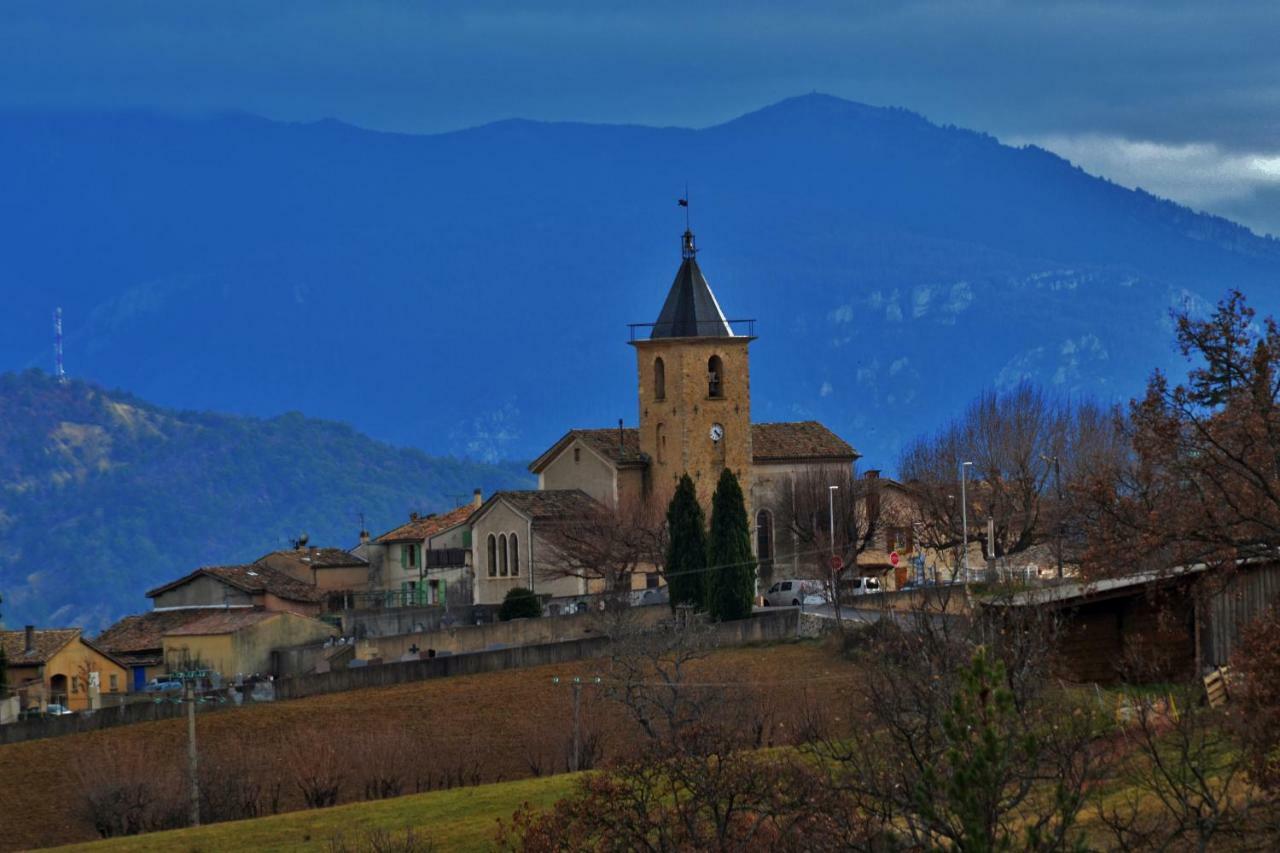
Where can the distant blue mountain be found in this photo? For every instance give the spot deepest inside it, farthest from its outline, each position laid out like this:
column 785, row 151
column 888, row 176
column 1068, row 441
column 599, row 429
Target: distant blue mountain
column 468, row 292
column 104, row 496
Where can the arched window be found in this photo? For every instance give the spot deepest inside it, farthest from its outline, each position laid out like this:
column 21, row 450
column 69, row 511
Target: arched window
column 764, row 540
column 659, row 379
column 515, row 556
column 493, row 556
column 502, row 555
column 715, row 377
column 661, row 441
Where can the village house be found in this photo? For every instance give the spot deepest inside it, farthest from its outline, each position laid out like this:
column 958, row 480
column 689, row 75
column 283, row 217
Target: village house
column 237, row 643
column 241, row 587
column 426, row 561
column 694, row 401
column 508, row 532
column 59, row 666
column 138, row 642
column 328, row 570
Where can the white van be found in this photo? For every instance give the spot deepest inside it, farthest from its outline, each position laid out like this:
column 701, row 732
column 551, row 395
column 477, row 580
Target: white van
column 794, row 592
column 860, row 586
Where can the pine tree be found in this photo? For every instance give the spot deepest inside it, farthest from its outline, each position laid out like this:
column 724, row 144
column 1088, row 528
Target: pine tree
column 687, row 548
column 731, row 577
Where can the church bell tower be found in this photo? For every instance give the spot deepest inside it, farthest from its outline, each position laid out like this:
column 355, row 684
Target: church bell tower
column 695, row 389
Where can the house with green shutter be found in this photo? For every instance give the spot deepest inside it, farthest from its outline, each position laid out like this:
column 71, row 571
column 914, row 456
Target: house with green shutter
column 426, row 561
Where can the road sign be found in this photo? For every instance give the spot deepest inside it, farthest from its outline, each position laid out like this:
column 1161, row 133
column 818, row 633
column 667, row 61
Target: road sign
column 836, row 563
column 894, row 559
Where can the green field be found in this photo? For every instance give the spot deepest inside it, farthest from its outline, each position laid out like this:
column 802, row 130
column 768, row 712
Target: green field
column 457, row 819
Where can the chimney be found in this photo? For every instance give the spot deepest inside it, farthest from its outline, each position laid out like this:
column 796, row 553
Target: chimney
column 30, row 639
column 413, row 515
column 477, row 498
column 872, row 474
column 364, row 537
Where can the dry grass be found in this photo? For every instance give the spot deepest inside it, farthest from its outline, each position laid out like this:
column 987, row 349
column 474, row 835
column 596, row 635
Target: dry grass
column 482, row 728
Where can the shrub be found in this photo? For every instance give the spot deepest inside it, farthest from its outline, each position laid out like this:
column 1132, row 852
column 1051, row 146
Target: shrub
column 519, row 603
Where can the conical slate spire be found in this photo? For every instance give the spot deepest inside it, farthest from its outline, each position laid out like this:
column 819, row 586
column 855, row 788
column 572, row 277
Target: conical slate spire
column 691, row 310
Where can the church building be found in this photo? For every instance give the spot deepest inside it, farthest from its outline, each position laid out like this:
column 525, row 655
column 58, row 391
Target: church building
column 694, row 394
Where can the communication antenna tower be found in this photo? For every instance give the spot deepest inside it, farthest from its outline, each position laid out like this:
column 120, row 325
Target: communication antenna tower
column 59, row 371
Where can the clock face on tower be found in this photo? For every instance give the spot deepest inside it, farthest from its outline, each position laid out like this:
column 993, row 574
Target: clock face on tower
column 717, row 432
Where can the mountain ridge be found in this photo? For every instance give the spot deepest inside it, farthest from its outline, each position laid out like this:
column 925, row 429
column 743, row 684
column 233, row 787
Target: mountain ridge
column 104, row 495
column 497, row 266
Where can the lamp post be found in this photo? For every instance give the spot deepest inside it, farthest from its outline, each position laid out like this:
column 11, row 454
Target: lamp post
column 964, row 520
column 835, row 589
column 1057, row 482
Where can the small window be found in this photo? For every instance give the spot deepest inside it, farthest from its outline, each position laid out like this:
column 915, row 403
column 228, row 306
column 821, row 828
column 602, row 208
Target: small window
column 503, row 566
column 651, row 580
column 662, row 444
column 659, row 379
column 493, row 556
column 114, row 681
column 75, row 684
column 515, row 556
column 715, row 377
column 577, row 454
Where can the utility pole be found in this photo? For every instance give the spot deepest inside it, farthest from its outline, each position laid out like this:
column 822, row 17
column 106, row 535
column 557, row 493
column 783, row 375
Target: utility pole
column 1057, row 482
column 964, row 522
column 835, row 585
column 192, row 765
column 576, row 684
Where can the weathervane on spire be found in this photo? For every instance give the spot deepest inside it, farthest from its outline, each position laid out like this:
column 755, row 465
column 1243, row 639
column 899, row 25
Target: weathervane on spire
column 687, row 248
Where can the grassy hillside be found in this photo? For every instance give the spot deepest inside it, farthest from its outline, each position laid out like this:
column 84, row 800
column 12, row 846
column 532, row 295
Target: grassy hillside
column 486, row 728
column 464, row 819
column 103, row 495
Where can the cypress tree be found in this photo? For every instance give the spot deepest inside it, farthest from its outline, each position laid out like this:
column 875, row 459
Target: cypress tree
column 686, row 548
column 732, row 574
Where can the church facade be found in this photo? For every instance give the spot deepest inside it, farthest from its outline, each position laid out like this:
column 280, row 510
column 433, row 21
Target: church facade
column 694, row 394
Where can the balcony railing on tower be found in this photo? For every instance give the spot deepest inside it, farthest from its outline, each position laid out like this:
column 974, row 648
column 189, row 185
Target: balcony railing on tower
column 709, row 328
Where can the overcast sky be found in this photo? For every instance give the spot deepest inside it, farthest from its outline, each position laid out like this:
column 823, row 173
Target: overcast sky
column 1180, row 98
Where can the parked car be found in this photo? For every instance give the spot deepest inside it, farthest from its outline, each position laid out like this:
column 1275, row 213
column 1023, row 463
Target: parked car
column 54, row 709
column 794, row 592
column 167, row 686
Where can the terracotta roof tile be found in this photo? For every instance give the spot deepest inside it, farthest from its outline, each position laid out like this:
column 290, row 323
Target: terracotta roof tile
column 428, row 525
column 550, row 504
column 223, row 622
column 620, row 446
column 141, row 633
column 252, row 579
column 799, row 440
column 47, row 642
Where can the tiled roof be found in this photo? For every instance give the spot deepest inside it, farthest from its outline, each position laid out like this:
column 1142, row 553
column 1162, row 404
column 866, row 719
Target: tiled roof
column 315, row 558
column 223, row 622
column 620, row 446
column 799, row 440
column 134, row 635
column 252, row 579
column 46, row 643
column 550, row 504
column 420, row 528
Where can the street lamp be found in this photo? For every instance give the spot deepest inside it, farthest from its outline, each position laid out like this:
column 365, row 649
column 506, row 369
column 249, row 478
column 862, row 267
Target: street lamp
column 831, row 518
column 1057, row 480
column 964, row 520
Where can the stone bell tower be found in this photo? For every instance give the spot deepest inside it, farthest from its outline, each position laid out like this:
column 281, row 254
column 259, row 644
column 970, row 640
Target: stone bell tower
column 695, row 388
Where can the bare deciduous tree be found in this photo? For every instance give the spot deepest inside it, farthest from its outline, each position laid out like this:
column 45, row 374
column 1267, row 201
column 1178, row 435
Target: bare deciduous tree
column 605, row 547
column 1028, row 451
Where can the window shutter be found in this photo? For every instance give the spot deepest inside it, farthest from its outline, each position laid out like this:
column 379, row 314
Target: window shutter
column 404, row 556
column 466, row 539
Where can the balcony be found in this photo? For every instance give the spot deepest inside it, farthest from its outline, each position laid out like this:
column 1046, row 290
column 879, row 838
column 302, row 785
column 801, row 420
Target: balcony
column 710, row 328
